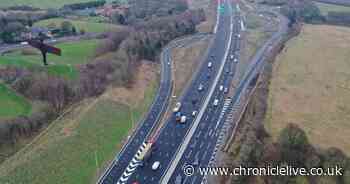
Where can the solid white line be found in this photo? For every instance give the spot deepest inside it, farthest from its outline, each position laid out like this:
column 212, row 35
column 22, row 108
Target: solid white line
column 242, row 26
column 217, row 17
column 185, row 143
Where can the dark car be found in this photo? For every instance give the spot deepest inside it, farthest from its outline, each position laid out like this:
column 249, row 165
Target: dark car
column 194, row 101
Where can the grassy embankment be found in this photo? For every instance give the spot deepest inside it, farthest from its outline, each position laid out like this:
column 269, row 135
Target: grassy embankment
column 73, row 53
column 311, row 86
column 12, row 105
column 259, row 28
column 77, row 147
column 186, row 60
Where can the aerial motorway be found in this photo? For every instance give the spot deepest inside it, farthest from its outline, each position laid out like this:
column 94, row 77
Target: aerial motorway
column 193, row 133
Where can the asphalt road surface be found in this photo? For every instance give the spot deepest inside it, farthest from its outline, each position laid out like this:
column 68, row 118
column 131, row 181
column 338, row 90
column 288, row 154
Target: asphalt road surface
column 173, row 135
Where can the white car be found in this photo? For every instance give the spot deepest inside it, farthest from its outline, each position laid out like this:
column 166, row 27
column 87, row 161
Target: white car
column 177, row 107
column 24, row 43
column 155, row 165
column 235, row 60
column 200, row 88
column 231, row 57
column 216, row 102
column 221, row 87
column 226, row 90
column 210, row 64
column 183, row 119
column 194, row 113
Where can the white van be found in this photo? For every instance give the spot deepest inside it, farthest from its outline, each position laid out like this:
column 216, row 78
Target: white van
column 177, row 107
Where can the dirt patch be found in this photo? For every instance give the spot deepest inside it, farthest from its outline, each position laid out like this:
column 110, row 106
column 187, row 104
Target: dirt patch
column 146, row 74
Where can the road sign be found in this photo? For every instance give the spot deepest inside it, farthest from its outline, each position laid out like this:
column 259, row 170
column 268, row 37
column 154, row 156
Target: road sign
column 221, row 8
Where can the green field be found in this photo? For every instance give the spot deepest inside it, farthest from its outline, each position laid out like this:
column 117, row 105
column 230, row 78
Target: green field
column 73, row 53
column 76, row 148
column 12, row 105
column 88, row 26
column 39, row 3
column 325, row 8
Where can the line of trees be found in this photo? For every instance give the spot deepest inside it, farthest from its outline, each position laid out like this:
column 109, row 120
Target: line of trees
column 338, row 18
column 145, row 40
column 21, row 8
column 144, row 10
column 302, row 10
column 84, row 5
column 13, row 24
column 339, row 2
column 307, row 11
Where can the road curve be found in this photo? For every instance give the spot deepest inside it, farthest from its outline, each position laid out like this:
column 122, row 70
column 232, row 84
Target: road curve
column 149, row 123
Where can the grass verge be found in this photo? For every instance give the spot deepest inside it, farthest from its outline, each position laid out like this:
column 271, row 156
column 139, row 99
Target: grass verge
column 258, row 30
column 12, row 105
column 186, row 61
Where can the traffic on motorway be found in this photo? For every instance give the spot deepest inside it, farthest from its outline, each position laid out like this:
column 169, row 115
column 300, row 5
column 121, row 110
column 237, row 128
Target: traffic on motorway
column 207, row 137
column 193, row 128
column 126, row 156
column 202, row 102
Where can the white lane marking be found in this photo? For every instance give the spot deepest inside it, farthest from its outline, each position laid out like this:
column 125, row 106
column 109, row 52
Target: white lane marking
column 217, row 17
column 131, row 168
column 242, row 26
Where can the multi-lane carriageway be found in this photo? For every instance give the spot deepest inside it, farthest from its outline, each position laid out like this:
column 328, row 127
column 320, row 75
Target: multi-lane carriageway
column 206, row 137
column 173, row 144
